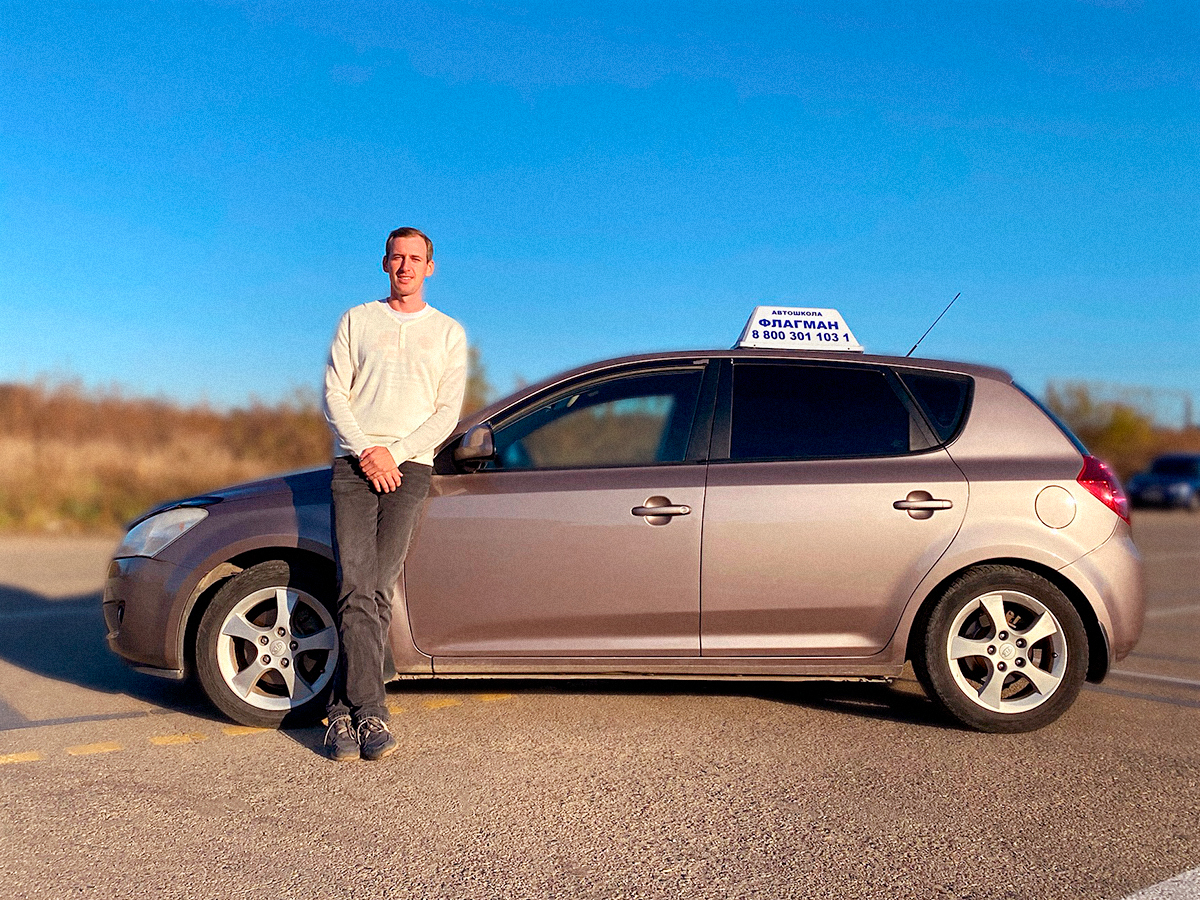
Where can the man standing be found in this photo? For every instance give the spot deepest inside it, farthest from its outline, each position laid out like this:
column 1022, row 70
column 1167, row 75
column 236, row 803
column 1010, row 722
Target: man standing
column 393, row 392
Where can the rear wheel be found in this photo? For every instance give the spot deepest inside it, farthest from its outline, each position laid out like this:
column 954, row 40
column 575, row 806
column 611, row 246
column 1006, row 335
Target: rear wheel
column 1003, row 650
column 267, row 645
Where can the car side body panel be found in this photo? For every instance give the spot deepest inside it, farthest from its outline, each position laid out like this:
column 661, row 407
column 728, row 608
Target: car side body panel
column 1012, row 454
column 1015, row 458
column 554, row 563
column 812, row 557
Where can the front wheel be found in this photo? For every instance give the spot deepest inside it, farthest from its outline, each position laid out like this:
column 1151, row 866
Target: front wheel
column 1003, row 650
column 267, row 646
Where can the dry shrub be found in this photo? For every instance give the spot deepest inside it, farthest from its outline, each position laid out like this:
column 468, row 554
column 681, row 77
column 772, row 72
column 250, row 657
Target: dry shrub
column 1119, row 430
column 78, row 460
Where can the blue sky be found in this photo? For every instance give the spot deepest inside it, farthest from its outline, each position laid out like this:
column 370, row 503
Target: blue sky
column 192, row 193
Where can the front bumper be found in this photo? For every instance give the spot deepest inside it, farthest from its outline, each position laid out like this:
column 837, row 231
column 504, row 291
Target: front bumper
column 139, row 596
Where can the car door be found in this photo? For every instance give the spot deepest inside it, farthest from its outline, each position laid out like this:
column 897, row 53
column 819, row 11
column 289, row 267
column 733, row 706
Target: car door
column 551, row 550
column 828, row 500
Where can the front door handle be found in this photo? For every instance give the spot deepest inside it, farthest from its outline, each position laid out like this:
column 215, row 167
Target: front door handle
column 921, row 504
column 659, row 510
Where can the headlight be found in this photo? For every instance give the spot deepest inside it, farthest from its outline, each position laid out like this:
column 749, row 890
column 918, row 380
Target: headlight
column 150, row 537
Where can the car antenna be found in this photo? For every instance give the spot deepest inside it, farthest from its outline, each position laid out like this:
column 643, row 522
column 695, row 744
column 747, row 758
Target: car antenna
column 930, row 328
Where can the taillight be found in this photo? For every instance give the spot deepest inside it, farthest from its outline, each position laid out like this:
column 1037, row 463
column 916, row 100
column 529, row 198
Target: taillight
column 1100, row 481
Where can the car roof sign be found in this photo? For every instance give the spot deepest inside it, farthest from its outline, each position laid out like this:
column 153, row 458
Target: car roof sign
column 798, row 328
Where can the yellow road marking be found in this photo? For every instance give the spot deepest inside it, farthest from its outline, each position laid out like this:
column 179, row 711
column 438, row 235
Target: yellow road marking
column 491, row 698
column 238, row 730
column 89, row 749
column 395, row 710
column 27, row 756
column 168, row 740
column 442, row 704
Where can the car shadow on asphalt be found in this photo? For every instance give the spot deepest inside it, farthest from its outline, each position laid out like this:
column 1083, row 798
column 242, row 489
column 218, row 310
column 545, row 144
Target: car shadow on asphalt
column 63, row 639
column 902, row 701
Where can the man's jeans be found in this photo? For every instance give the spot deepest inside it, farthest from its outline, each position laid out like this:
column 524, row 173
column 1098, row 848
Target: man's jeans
column 371, row 532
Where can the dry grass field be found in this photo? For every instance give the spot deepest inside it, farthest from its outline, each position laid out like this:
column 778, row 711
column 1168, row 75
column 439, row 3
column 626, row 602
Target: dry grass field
column 78, row 461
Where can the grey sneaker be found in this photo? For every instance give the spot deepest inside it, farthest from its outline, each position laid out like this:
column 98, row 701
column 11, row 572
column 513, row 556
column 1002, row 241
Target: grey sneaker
column 375, row 739
column 341, row 740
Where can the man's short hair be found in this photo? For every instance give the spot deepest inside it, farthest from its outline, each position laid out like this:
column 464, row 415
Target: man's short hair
column 407, row 232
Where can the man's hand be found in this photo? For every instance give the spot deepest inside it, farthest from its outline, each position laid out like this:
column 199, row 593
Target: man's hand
column 377, row 464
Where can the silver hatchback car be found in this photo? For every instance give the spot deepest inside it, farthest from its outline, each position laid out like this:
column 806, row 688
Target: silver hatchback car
column 747, row 513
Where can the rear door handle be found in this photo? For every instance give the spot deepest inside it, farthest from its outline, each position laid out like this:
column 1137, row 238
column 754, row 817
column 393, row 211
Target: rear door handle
column 921, row 504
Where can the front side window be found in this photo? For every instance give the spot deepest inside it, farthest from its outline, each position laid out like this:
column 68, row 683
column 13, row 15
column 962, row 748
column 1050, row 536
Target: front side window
column 635, row 420
column 784, row 411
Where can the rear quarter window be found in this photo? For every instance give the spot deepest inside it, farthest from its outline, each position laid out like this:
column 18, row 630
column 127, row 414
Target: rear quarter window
column 944, row 398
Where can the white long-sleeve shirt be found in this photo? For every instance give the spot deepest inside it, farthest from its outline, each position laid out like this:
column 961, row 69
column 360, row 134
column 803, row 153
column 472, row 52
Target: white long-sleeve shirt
column 394, row 384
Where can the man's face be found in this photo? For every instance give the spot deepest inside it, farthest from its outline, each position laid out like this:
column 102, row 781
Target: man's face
column 407, row 265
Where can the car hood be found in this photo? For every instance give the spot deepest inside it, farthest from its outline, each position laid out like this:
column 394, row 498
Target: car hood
column 313, row 482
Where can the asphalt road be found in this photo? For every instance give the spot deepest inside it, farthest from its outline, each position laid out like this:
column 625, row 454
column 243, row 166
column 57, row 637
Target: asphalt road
column 114, row 784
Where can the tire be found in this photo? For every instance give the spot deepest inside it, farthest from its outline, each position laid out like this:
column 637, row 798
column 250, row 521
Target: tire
column 267, row 646
column 983, row 674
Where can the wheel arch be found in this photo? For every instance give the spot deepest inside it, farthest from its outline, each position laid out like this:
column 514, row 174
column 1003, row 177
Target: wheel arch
column 208, row 586
column 1097, row 640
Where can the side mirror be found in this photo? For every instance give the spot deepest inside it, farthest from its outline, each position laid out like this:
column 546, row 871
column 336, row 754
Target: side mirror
column 478, row 445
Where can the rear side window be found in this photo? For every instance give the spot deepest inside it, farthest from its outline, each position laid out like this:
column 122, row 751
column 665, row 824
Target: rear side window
column 786, row 411
column 943, row 398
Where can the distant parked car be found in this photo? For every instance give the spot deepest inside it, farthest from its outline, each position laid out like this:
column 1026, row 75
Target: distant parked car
column 1170, row 481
